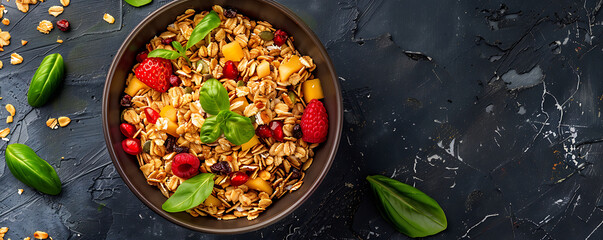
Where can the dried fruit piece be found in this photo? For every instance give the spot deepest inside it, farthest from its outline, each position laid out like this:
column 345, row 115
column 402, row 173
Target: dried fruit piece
column 315, row 122
column 142, row 56
column 185, row 165
column 276, row 127
column 263, row 131
column 230, row 70
column 230, row 13
column 108, row 18
column 52, row 123
column 5, row 21
column 15, row 59
column 45, row 26
column 297, row 131
column 238, row 178
column 152, row 115
column 221, row 167
column 233, row 51
column 65, row 3
column 63, row 25
column 312, row 90
column 126, row 101
column 249, row 144
column 4, row 132
column 175, row 81
column 11, row 109
column 40, row 235
column 263, row 69
column 280, row 37
column 260, row 185
column 64, row 121
column 134, row 86
column 55, row 10
column 131, row 146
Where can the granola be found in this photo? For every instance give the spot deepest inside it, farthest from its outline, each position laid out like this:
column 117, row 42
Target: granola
column 262, row 93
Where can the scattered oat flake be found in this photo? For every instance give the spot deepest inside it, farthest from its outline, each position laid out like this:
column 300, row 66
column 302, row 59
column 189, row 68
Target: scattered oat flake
column 64, row 121
column 40, row 235
column 108, row 18
column 5, row 21
column 9, row 119
column 23, row 42
column 23, row 7
column 4, row 132
column 65, row 3
column 1, row 64
column 52, row 123
column 11, row 109
column 45, row 26
column 27, row 238
column 59, row 40
column 20, row 191
column 55, row 10
column 4, row 39
column 15, row 59
column 2, row 8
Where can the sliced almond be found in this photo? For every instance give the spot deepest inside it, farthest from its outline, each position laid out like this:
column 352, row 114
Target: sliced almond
column 55, row 10
column 52, row 123
column 65, row 3
column 108, row 18
column 11, row 109
column 9, row 119
column 64, row 121
column 4, row 132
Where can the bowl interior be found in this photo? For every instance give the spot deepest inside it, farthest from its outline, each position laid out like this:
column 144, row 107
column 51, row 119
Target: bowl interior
column 306, row 42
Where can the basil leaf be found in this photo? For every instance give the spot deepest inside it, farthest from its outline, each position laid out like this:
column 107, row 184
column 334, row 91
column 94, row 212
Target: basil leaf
column 238, row 129
column 411, row 211
column 138, row 3
column 212, row 127
column 179, row 48
column 208, row 23
column 32, row 170
column 190, row 193
column 46, row 80
column 213, row 97
column 164, row 53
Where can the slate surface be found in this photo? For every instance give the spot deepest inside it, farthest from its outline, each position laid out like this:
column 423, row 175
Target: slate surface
column 492, row 108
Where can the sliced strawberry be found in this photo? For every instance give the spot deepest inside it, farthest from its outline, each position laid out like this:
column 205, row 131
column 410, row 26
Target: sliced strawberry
column 155, row 73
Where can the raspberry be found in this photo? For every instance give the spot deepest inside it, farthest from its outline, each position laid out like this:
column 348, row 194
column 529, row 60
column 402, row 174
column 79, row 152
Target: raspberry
column 315, row 122
column 276, row 127
column 230, row 70
column 280, row 37
column 263, row 131
column 238, row 178
column 185, row 165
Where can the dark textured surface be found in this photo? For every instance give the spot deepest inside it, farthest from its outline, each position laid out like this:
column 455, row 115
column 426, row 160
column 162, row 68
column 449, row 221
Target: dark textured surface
column 435, row 95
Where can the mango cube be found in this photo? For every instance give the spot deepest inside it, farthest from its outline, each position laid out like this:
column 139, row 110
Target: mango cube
column 169, row 112
column 233, row 51
column 249, row 144
column 312, row 90
column 134, row 86
column 263, row 69
column 171, row 129
column 212, row 201
column 286, row 69
column 260, row 185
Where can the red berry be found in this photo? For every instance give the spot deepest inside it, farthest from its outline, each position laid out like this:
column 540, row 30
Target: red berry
column 131, row 146
column 152, row 115
column 185, row 165
column 263, row 131
column 280, row 37
column 230, row 70
column 155, row 73
column 142, row 56
column 175, row 80
column 276, row 127
column 315, row 122
column 238, row 178
column 127, row 129
column 167, row 41
column 63, row 25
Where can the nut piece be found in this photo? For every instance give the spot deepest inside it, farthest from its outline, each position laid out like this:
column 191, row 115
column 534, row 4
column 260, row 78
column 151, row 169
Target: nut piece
column 108, row 18
column 64, row 121
column 20, row 191
column 40, row 235
column 45, row 26
column 4, row 132
column 23, row 42
column 52, row 123
column 55, row 10
column 9, row 119
column 15, row 59
column 65, row 2
column 11, row 109
column 5, row 21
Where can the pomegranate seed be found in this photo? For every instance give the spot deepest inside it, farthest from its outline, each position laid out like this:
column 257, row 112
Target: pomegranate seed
column 276, row 127
column 185, row 165
column 142, row 56
column 167, row 41
column 63, row 25
column 175, row 81
column 230, row 70
column 131, row 146
column 238, row 178
column 127, row 129
column 263, row 131
column 280, row 37
column 151, row 114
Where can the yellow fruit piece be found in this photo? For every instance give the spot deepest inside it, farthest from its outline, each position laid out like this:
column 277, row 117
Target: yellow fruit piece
column 212, row 201
column 312, row 90
column 249, row 144
column 171, row 129
column 233, row 51
column 263, row 69
column 134, row 86
column 240, row 109
column 169, row 112
column 260, row 185
column 286, row 69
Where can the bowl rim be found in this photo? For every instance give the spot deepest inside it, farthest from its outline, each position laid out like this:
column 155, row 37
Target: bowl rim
column 323, row 172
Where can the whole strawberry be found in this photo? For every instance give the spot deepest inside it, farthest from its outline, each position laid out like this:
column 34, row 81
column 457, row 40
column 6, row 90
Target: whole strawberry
column 155, row 73
column 315, row 122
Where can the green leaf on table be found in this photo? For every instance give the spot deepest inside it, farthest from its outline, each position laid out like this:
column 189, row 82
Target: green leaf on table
column 409, row 210
column 138, row 3
column 214, row 97
column 190, row 193
column 32, row 170
column 208, row 23
column 164, row 53
column 238, row 129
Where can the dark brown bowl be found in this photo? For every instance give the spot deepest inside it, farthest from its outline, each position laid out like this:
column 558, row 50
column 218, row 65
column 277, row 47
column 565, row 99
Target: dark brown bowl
column 305, row 41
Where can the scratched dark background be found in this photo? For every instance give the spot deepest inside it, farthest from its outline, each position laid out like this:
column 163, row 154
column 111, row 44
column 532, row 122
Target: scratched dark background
column 493, row 108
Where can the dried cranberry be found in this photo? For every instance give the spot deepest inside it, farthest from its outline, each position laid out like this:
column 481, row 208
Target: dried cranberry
column 230, row 70
column 276, row 127
column 175, row 80
column 142, row 56
column 63, row 25
column 263, row 131
column 280, row 37
column 151, row 114
column 230, row 13
column 131, row 146
column 297, row 131
column 238, row 178
column 167, row 41
column 221, row 168
column 295, row 173
column 126, row 101
column 185, row 165
column 127, row 129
